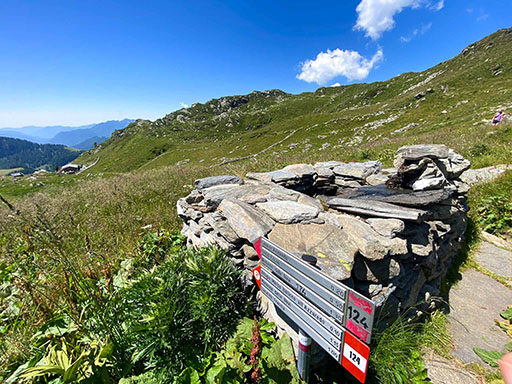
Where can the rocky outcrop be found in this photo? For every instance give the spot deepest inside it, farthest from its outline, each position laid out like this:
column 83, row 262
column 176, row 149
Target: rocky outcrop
column 390, row 233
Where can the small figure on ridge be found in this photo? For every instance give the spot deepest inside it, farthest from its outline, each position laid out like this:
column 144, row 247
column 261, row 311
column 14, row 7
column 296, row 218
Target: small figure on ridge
column 498, row 117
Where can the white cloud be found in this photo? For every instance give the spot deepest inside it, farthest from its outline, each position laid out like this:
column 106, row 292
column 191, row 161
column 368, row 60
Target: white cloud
column 482, row 18
column 335, row 85
column 338, row 62
column 184, row 105
column 377, row 16
column 437, row 6
column 416, row 32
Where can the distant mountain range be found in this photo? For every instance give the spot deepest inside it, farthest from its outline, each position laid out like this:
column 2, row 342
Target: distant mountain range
column 17, row 153
column 81, row 137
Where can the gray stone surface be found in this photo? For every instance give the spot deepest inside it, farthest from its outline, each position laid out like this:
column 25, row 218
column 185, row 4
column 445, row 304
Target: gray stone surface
column 247, row 222
column 387, row 227
column 377, row 179
column 300, row 170
column 358, row 170
column 370, row 244
column 288, row 212
column 404, row 198
column 418, row 152
column 475, row 176
column 376, row 271
column 330, row 245
column 495, row 259
column 208, row 182
column 475, row 303
column 280, row 176
column 427, row 184
column 374, row 208
column 443, row 371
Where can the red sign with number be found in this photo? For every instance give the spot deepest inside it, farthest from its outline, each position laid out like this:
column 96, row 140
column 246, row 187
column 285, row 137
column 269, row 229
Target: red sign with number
column 256, row 272
column 355, row 356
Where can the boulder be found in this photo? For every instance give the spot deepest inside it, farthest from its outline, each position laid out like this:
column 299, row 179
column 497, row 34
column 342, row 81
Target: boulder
column 426, row 184
column 281, row 176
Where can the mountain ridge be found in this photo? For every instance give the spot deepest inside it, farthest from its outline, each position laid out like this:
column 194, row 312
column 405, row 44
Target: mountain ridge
column 59, row 134
column 440, row 104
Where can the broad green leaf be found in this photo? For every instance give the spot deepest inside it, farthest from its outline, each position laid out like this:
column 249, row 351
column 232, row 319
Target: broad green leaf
column 188, row 376
column 507, row 315
column 490, row 357
column 42, row 370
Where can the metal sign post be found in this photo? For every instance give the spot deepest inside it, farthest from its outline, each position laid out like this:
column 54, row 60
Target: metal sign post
column 326, row 310
column 304, row 356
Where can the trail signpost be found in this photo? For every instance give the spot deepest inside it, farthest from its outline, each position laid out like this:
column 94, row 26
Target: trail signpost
column 336, row 317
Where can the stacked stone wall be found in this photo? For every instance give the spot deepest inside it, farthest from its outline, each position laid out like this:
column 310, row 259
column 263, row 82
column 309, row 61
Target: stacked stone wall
column 389, row 233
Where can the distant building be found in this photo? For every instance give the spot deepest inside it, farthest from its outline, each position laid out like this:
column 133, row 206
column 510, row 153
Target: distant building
column 69, row 169
column 16, row 174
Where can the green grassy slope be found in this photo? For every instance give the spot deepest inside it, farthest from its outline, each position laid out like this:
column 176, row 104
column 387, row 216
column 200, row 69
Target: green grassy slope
column 450, row 103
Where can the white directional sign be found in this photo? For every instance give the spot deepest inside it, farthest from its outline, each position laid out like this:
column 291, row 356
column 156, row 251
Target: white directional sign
column 320, row 305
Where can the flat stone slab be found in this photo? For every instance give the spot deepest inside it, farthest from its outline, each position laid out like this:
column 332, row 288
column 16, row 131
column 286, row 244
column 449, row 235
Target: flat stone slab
column 475, row 303
column 406, row 198
column 212, row 181
column 329, row 244
column 495, row 259
column 374, row 208
column 443, row 371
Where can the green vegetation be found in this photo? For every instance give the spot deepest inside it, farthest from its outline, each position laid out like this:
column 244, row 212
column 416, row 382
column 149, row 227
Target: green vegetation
column 165, row 309
column 492, row 206
column 16, row 153
column 397, row 351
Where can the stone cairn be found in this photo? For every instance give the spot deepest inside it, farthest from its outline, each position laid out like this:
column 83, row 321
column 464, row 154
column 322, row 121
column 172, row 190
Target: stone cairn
column 389, row 233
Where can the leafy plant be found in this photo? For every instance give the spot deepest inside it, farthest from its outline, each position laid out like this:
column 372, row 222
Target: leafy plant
column 492, row 357
column 251, row 355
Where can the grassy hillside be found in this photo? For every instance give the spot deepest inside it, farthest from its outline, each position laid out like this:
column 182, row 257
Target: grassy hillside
column 450, row 103
column 16, row 153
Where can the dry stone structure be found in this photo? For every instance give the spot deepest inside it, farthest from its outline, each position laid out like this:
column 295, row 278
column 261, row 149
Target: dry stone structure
column 389, row 233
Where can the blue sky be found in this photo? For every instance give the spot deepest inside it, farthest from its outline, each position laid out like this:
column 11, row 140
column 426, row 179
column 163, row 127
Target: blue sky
column 74, row 62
